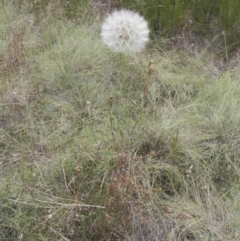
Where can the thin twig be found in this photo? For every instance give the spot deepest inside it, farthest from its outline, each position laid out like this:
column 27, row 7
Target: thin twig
column 55, row 231
column 60, row 204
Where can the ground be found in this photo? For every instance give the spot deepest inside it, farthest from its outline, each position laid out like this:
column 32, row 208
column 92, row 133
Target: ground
column 86, row 155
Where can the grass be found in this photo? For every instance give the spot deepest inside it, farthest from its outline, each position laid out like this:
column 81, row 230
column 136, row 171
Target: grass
column 83, row 159
column 191, row 20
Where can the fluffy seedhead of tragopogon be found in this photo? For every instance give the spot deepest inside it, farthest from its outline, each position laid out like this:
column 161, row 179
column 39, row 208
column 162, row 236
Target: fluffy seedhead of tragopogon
column 125, row 32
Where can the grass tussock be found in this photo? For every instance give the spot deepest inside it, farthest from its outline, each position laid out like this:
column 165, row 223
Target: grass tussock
column 84, row 156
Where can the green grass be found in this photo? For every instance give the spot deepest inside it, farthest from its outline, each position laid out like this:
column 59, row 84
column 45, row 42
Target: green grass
column 82, row 157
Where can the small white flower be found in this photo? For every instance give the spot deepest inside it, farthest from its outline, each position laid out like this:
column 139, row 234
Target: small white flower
column 125, row 31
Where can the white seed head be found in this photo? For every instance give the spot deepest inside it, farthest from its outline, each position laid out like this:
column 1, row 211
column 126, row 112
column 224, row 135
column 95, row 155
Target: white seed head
column 125, row 31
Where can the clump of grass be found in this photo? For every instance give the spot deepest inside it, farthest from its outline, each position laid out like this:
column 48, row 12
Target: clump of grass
column 82, row 159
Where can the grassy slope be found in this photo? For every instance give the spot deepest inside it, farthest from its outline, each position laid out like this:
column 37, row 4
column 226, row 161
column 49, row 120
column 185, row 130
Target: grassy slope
column 113, row 169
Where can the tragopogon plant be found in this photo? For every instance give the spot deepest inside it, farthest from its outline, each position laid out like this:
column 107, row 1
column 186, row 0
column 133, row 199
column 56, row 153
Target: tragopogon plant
column 125, row 32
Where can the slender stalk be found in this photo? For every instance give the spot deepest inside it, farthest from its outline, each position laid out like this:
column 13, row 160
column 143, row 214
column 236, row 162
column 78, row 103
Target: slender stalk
column 111, row 118
column 150, row 70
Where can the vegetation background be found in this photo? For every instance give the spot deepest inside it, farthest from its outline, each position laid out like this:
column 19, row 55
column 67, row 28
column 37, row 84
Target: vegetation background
column 84, row 157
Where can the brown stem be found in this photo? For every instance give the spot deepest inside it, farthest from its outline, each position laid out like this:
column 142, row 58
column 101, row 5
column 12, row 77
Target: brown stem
column 150, row 70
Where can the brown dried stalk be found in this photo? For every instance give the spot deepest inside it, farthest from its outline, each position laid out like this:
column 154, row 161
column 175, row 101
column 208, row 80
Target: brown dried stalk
column 150, row 70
